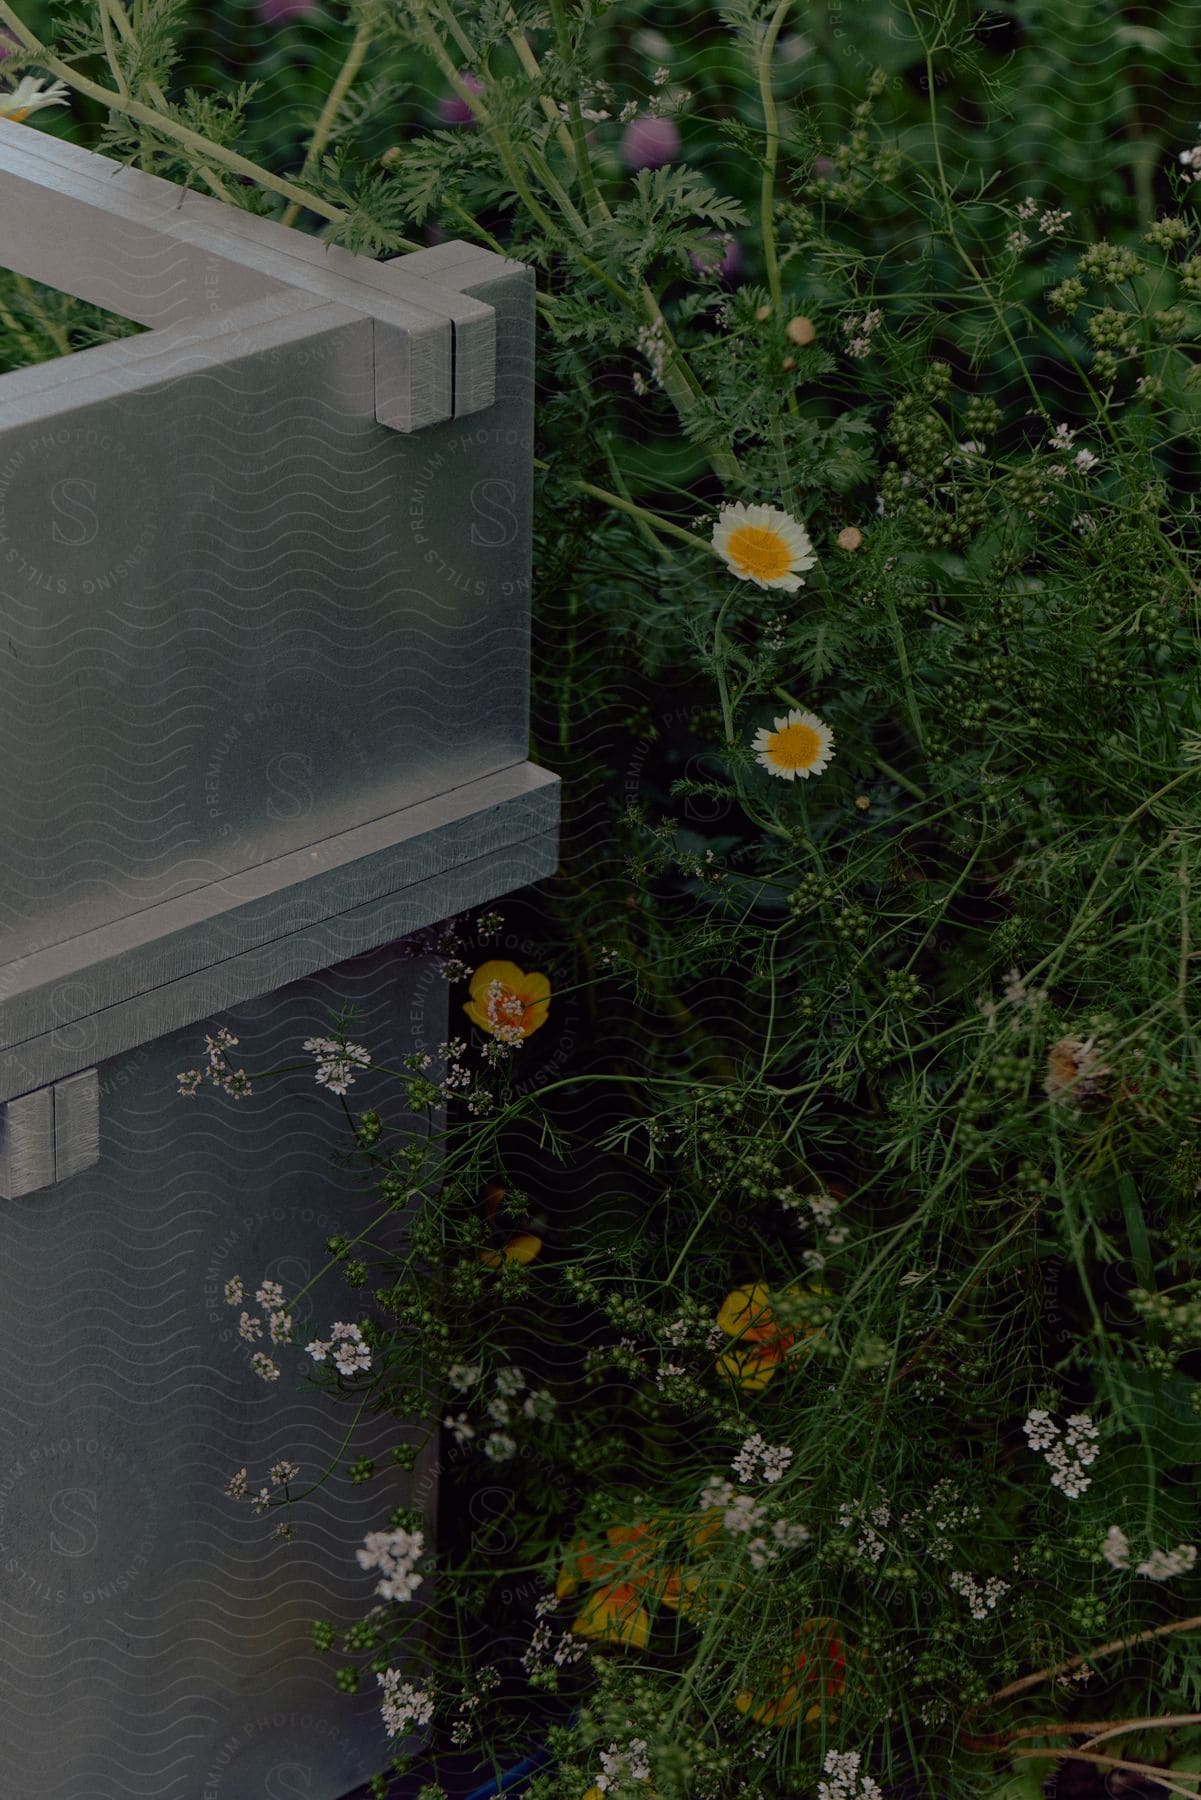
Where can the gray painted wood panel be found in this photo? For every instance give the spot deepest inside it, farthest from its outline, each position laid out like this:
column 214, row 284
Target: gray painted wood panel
column 76, row 1124
column 145, row 249
column 27, row 1144
column 154, row 1636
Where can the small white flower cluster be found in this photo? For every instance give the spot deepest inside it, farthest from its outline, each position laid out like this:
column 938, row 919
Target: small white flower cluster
column 279, row 1321
column 250, row 1326
column 345, row 1344
column 944, row 1512
column 870, row 1544
column 858, row 332
column 499, row 1446
column 1160, row 1565
column 458, row 1080
column 666, row 1373
column 759, row 1459
column 403, row 1704
column 620, row 1766
column 742, row 1514
column 784, row 1536
column 823, row 1207
column 238, row 1486
column 651, row 343
column 1051, row 223
column 1069, row 1456
column 982, row 1596
column 337, row 1064
column 396, row 1555
column 739, row 1512
column 463, row 1728
column 1024, row 1000
column 233, row 1081
column 691, row 1328
column 845, row 1781
column 569, row 1649
column 1190, row 163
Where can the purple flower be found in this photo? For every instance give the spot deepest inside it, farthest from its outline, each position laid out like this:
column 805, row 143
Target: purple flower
column 452, row 110
column 282, row 12
column 650, row 143
column 722, row 257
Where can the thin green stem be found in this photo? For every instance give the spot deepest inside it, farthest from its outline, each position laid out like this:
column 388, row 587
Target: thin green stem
column 771, row 152
column 579, row 136
column 163, row 123
column 355, row 58
column 635, row 511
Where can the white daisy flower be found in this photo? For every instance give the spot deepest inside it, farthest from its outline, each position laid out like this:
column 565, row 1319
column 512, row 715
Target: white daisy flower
column 29, row 96
column 801, row 744
column 763, row 545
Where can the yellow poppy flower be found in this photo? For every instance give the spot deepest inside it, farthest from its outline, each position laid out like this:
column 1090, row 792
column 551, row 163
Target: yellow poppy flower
column 520, row 1249
column 616, row 1614
column 806, row 1683
column 506, row 1002
column 625, row 1566
column 763, row 1343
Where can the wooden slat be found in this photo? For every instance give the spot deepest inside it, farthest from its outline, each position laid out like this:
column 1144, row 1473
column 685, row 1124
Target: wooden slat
column 171, row 964
column 76, row 1123
column 27, row 1144
column 155, row 253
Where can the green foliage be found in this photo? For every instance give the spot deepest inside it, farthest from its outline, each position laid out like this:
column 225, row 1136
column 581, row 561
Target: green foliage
column 893, row 1067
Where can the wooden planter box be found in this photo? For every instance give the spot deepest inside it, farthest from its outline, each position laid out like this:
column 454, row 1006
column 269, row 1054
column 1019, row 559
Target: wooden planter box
column 264, row 590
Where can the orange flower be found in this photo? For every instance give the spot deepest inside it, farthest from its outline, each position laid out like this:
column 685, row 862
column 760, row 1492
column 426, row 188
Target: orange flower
column 615, row 1614
column 763, row 1343
column 805, row 1683
column 628, row 1574
column 520, row 1249
column 506, row 1002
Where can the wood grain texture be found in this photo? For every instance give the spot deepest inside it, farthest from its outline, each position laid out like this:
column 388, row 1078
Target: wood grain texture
column 27, row 1144
column 197, row 979
column 146, row 249
column 76, row 1123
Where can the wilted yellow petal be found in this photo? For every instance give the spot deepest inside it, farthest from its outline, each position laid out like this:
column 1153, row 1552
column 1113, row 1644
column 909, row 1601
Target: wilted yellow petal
column 614, row 1614
column 521, row 1249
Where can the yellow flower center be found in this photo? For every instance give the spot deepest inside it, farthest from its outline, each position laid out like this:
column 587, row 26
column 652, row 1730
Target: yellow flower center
column 795, row 747
column 757, row 551
column 21, row 114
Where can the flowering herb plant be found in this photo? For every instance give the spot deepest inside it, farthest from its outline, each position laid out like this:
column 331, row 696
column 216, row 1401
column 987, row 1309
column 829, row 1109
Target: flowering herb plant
column 830, row 1322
